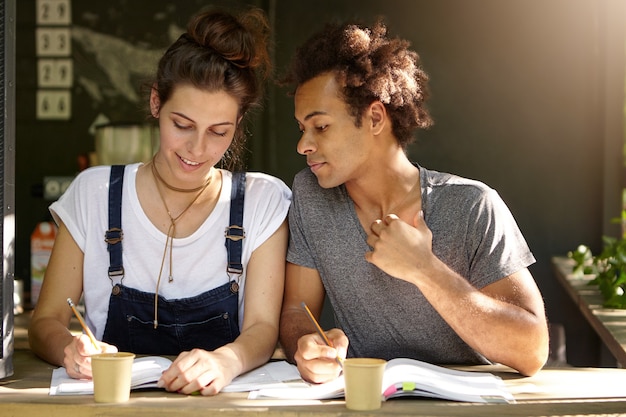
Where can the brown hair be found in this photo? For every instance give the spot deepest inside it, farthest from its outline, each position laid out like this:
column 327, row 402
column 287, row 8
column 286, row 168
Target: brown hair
column 370, row 66
column 220, row 51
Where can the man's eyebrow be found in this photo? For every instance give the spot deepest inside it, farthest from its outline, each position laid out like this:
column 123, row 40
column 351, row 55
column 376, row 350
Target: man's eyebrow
column 313, row 114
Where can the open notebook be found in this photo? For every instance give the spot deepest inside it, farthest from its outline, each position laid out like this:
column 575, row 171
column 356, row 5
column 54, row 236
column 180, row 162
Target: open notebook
column 281, row 380
column 147, row 370
column 410, row 378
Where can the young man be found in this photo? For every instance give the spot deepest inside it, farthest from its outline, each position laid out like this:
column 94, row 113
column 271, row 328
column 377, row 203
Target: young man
column 416, row 263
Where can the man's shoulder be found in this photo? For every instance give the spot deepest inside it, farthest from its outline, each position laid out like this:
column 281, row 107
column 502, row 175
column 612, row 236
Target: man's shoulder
column 436, row 180
column 305, row 178
column 305, row 184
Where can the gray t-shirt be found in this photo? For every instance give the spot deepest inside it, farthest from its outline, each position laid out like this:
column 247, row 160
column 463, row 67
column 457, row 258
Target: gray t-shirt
column 474, row 233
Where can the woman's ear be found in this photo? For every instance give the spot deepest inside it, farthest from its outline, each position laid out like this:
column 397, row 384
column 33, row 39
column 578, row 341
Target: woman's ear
column 378, row 114
column 155, row 103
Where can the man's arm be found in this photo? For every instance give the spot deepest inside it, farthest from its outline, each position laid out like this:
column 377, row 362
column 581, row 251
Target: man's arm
column 506, row 321
column 298, row 337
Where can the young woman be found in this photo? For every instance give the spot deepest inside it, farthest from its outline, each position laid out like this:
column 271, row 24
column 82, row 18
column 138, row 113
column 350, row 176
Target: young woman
column 177, row 256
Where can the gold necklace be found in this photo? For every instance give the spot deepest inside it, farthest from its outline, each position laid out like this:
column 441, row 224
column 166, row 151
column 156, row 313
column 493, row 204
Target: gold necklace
column 156, row 174
column 171, row 231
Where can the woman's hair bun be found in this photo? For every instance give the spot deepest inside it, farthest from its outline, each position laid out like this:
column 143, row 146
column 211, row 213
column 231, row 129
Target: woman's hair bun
column 241, row 39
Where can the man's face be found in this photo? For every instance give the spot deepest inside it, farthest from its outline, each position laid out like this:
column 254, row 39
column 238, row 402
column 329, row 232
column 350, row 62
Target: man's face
column 334, row 147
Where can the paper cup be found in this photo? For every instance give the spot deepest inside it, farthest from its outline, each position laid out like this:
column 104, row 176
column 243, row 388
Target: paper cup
column 364, row 381
column 111, row 376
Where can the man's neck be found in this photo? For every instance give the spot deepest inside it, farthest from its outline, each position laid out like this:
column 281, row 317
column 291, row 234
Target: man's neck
column 392, row 187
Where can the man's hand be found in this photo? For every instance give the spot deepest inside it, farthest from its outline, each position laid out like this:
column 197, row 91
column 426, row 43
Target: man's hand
column 318, row 362
column 398, row 248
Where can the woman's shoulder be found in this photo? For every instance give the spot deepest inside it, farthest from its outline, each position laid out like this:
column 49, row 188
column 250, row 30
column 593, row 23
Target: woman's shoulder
column 95, row 180
column 98, row 173
column 92, row 177
column 259, row 182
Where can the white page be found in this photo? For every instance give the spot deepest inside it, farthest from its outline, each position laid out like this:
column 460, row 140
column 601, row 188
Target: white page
column 147, row 370
column 279, row 374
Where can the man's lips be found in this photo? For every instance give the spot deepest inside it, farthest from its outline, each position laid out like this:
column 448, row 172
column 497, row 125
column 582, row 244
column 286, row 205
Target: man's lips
column 314, row 166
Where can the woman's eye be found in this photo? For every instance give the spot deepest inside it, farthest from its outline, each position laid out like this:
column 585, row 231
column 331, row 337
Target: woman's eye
column 322, row 128
column 221, row 134
column 181, row 126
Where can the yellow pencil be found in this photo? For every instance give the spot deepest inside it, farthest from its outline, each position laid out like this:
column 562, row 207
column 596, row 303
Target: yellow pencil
column 94, row 342
column 319, row 330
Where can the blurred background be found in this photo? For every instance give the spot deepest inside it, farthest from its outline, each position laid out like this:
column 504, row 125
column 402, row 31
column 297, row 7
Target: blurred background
column 527, row 96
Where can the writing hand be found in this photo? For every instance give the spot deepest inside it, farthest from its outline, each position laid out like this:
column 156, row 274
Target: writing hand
column 316, row 361
column 77, row 355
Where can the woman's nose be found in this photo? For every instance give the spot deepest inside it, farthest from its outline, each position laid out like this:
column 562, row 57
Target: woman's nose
column 195, row 143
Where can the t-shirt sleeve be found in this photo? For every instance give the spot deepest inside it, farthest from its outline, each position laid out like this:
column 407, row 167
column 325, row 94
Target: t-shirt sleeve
column 268, row 203
column 497, row 244
column 74, row 207
column 299, row 251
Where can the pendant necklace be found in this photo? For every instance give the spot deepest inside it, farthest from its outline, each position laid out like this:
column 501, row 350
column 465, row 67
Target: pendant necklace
column 171, row 230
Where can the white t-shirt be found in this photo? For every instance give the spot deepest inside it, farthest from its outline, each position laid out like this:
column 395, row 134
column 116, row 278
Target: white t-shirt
column 199, row 260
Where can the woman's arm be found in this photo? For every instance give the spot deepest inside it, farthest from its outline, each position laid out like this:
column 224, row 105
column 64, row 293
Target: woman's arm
column 49, row 334
column 209, row 372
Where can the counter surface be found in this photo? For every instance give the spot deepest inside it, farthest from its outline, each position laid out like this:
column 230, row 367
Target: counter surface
column 552, row 392
column 557, row 391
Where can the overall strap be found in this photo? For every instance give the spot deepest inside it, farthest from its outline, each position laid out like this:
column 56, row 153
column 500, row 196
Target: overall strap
column 235, row 233
column 113, row 237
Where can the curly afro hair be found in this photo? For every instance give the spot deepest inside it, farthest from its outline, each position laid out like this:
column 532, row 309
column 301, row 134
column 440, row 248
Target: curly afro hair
column 371, row 66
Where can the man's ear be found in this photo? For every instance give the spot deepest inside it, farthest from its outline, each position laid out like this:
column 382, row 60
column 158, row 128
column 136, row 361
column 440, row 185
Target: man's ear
column 155, row 103
column 378, row 115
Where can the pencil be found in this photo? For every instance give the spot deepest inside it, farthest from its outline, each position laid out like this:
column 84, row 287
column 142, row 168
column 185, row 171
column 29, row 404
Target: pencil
column 319, row 330
column 84, row 326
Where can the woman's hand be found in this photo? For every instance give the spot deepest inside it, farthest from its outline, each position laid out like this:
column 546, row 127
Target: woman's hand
column 200, row 371
column 77, row 360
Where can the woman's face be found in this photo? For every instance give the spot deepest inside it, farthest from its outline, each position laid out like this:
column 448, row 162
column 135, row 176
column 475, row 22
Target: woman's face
column 196, row 128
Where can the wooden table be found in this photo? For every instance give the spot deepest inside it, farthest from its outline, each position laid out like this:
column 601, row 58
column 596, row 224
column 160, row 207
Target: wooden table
column 609, row 324
column 563, row 391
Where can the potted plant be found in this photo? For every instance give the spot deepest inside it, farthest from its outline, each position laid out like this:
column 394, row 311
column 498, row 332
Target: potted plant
column 608, row 268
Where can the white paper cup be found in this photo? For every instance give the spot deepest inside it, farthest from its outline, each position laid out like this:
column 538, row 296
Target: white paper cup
column 364, row 381
column 111, row 376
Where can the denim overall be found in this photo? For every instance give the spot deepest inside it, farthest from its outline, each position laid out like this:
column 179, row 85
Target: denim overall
column 205, row 321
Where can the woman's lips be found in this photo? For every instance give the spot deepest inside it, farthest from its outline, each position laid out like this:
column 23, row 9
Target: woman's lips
column 188, row 164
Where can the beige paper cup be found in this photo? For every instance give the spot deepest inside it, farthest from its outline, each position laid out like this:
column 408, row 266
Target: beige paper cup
column 111, row 376
column 364, row 381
